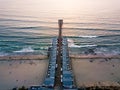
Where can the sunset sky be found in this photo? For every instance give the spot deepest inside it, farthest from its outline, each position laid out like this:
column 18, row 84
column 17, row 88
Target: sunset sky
column 61, row 4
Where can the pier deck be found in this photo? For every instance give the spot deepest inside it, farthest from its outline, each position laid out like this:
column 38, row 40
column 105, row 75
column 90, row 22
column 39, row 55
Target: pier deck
column 59, row 75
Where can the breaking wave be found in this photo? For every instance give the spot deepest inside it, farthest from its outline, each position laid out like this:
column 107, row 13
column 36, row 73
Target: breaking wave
column 88, row 36
column 72, row 44
column 77, row 46
column 28, row 49
column 104, row 50
column 3, row 54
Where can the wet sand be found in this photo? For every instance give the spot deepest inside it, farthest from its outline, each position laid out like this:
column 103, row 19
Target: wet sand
column 24, row 57
column 92, row 71
column 95, row 56
column 42, row 57
column 16, row 73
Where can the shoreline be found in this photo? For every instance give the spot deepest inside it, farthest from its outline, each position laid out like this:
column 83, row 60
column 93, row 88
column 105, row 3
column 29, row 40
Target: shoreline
column 24, row 57
column 95, row 56
column 41, row 57
column 83, row 67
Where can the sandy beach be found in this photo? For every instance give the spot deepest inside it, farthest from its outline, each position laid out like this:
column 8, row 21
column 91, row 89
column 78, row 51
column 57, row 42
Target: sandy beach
column 88, row 70
column 16, row 73
column 96, row 71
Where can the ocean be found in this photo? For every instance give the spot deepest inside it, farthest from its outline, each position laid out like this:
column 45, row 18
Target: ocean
column 31, row 31
column 30, row 28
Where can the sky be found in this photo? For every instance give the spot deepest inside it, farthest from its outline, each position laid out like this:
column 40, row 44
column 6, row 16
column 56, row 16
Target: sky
column 66, row 7
column 60, row 4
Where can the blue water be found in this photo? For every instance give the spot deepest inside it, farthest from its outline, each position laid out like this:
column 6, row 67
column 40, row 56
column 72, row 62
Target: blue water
column 28, row 27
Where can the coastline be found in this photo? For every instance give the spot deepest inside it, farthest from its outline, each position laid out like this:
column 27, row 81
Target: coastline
column 95, row 56
column 24, row 57
column 88, row 70
column 41, row 57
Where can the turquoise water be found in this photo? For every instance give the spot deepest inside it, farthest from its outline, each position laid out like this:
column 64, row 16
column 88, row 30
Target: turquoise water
column 28, row 27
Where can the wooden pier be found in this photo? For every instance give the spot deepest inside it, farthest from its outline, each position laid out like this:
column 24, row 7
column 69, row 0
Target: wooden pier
column 59, row 75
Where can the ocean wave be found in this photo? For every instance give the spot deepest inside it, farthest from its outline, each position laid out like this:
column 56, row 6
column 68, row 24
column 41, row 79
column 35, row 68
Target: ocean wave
column 3, row 54
column 28, row 49
column 115, row 30
column 33, row 27
column 95, row 36
column 103, row 50
column 27, row 21
column 81, row 46
column 42, row 48
column 78, row 28
column 72, row 44
column 116, row 35
column 90, row 23
column 88, row 36
column 91, row 29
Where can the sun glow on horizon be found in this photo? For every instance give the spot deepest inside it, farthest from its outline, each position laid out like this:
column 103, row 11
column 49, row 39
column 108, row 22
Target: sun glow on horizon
column 60, row 6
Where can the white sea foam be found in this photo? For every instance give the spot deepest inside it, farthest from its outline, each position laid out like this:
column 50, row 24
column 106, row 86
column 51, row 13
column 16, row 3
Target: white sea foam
column 72, row 44
column 89, row 36
column 28, row 49
column 3, row 54
column 104, row 50
column 77, row 46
